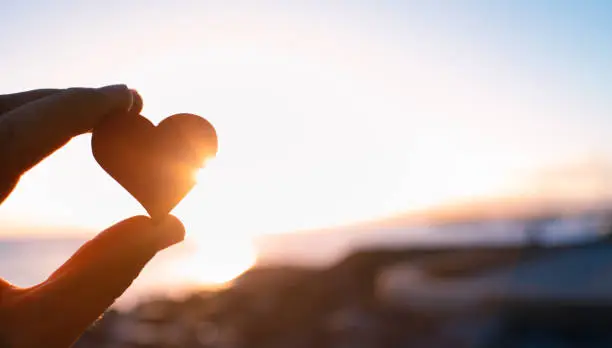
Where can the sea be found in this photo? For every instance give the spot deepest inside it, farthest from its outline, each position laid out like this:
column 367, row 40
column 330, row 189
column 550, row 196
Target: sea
column 29, row 261
column 181, row 269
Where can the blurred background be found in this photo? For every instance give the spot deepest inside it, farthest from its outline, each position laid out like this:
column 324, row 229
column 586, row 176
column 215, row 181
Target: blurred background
column 390, row 173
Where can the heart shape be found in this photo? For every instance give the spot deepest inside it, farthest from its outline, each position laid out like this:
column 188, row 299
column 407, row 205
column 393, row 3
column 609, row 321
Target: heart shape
column 156, row 165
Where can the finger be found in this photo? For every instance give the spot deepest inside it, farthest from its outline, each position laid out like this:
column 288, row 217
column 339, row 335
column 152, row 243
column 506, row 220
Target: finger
column 135, row 236
column 11, row 101
column 32, row 131
column 137, row 103
column 7, row 183
column 101, row 270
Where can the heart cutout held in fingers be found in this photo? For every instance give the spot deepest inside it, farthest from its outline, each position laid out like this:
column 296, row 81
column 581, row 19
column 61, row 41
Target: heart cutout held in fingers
column 156, row 165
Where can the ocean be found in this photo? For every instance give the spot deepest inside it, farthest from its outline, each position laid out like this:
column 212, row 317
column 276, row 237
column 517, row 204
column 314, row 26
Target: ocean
column 185, row 267
column 173, row 272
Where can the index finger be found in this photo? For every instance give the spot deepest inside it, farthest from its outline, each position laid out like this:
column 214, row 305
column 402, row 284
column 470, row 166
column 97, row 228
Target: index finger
column 31, row 132
column 12, row 101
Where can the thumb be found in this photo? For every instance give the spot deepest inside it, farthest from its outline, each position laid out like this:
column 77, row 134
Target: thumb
column 97, row 274
column 121, row 249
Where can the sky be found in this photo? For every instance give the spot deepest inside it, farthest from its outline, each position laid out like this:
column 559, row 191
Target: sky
column 327, row 112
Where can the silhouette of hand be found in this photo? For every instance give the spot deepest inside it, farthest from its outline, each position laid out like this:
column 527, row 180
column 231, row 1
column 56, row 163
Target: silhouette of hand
column 54, row 313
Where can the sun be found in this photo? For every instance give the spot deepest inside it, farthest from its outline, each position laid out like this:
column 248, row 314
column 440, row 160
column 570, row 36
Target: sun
column 217, row 252
column 215, row 263
column 202, row 174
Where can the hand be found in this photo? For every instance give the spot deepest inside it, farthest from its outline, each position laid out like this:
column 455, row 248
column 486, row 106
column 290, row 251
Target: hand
column 54, row 313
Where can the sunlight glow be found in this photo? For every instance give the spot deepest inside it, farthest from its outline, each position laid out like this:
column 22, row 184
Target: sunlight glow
column 215, row 263
column 312, row 132
column 202, row 174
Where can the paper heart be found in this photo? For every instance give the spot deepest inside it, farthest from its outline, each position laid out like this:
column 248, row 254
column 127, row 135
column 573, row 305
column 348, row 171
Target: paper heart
column 154, row 164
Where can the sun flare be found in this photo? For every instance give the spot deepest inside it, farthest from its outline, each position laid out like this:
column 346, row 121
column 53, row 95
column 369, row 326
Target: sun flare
column 201, row 174
column 215, row 263
column 218, row 252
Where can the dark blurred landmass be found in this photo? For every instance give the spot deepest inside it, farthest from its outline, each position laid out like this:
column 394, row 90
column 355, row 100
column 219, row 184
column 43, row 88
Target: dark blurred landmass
column 528, row 295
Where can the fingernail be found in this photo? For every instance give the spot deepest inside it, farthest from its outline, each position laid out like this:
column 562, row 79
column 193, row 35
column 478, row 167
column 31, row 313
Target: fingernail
column 167, row 232
column 134, row 92
column 136, row 106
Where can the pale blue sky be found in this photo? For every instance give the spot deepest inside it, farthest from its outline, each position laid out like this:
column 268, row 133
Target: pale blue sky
column 327, row 111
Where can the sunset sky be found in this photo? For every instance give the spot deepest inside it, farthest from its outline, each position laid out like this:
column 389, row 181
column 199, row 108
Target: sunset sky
column 327, row 111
